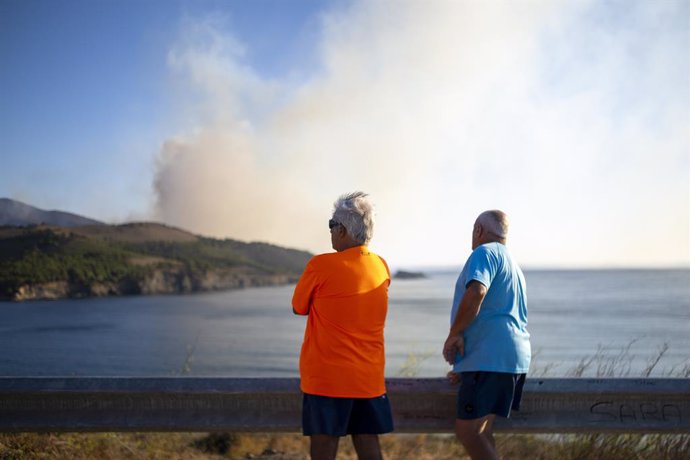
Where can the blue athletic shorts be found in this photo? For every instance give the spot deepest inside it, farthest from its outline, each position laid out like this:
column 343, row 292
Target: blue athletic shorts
column 343, row 416
column 483, row 393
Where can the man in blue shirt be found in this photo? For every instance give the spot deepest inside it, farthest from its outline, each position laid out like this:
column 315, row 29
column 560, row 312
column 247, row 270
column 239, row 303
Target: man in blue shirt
column 488, row 343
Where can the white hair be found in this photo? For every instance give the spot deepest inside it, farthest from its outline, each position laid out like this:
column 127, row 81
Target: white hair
column 494, row 221
column 356, row 213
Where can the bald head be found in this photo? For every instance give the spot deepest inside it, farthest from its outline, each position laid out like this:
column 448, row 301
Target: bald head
column 491, row 226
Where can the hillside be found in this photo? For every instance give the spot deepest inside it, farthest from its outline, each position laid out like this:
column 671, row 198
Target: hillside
column 47, row 262
column 17, row 213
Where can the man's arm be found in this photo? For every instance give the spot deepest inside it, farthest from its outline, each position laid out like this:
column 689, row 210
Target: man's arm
column 304, row 291
column 301, row 304
column 467, row 311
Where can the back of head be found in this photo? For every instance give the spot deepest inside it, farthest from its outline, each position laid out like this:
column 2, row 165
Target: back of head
column 495, row 222
column 356, row 213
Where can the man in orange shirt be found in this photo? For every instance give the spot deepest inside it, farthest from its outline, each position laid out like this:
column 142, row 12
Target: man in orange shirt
column 345, row 296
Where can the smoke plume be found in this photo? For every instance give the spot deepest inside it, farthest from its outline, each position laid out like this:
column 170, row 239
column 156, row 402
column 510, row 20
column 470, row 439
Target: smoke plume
column 440, row 110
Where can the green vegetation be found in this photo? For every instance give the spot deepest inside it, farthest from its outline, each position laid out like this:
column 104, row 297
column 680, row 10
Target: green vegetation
column 37, row 256
column 120, row 257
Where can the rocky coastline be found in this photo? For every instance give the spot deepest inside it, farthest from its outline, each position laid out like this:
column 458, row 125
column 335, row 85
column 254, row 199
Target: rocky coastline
column 159, row 281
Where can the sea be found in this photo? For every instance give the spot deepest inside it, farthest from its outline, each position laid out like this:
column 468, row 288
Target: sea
column 607, row 323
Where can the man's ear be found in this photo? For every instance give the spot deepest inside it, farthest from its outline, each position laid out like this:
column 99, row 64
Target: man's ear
column 478, row 230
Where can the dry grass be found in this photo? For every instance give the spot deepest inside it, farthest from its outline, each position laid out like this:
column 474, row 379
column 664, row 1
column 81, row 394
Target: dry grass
column 83, row 446
column 115, row 446
column 613, row 362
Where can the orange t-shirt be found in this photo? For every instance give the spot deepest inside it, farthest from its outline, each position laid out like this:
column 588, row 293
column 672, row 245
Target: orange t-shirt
column 345, row 295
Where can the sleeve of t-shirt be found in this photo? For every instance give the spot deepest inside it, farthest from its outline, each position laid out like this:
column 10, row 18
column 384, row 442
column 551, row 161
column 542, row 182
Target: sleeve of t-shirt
column 481, row 267
column 388, row 270
column 304, row 290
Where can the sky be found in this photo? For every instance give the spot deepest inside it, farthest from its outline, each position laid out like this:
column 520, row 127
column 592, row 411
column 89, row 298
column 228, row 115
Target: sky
column 247, row 119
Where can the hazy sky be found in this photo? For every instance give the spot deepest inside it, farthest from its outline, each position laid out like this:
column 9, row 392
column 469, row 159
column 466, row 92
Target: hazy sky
column 246, row 119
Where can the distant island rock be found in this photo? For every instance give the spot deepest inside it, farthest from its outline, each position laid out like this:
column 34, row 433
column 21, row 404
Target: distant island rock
column 53, row 262
column 408, row 275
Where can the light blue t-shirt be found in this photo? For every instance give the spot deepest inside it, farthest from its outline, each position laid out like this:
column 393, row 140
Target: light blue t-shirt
column 497, row 340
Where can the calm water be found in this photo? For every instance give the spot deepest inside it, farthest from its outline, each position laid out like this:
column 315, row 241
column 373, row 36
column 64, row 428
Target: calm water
column 623, row 315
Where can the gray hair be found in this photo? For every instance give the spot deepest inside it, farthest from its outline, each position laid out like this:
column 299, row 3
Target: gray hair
column 356, row 213
column 494, row 221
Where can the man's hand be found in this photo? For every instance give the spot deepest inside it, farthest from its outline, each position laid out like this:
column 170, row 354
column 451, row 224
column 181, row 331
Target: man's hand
column 454, row 344
column 453, row 377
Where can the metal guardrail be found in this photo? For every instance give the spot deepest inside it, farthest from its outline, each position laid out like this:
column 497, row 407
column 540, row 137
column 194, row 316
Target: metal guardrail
column 552, row 405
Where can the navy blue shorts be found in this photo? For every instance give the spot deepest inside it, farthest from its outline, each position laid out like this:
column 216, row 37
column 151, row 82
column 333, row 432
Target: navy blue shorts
column 343, row 416
column 483, row 393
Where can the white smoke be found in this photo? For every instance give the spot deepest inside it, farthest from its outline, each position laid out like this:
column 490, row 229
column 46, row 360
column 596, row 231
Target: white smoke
column 575, row 126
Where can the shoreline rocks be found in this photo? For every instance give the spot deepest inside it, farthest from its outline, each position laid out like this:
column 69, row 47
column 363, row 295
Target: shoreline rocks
column 159, row 281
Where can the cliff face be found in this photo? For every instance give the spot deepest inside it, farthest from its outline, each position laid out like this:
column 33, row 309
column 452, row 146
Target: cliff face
column 53, row 290
column 159, row 281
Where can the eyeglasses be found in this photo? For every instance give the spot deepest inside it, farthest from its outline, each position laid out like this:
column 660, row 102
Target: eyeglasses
column 333, row 223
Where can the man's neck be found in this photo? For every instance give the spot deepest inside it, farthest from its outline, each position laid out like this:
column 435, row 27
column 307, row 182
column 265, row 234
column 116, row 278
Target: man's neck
column 490, row 240
column 347, row 246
